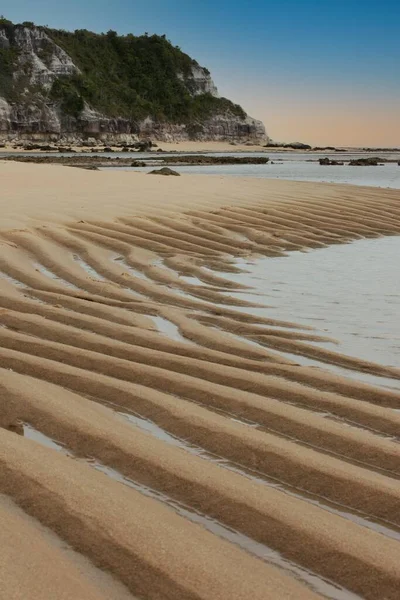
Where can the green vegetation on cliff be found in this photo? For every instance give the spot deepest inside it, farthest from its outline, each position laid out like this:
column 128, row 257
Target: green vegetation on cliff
column 129, row 76
column 8, row 58
column 133, row 77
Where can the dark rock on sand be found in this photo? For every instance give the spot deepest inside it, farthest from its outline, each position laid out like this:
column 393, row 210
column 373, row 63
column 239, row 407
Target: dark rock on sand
column 144, row 145
column 164, row 171
column 297, row 146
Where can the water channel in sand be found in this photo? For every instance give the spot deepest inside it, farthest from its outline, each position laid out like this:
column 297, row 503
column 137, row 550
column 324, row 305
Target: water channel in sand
column 325, row 587
column 348, row 292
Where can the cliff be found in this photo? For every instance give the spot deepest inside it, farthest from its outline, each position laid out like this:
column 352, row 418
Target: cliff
column 66, row 86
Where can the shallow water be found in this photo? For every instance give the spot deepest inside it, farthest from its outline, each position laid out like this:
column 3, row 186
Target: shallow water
column 387, row 176
column 299, row 167
column 349, row 292
column 37, row 436
column 296, row 166
column 88, row 269
column 11, row 279
column 53, row 276
column 169, row 329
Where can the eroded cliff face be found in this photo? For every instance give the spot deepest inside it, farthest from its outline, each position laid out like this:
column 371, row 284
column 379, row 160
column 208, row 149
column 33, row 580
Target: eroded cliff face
column 29, row 113
column 200, row 82
column 40, row 60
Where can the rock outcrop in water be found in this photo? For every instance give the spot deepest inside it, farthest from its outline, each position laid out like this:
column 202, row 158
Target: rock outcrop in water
column 329, row 162
column 366, row 162
column 69, row 87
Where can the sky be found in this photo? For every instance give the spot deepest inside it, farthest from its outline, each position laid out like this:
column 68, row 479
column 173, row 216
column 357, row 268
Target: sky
column 320, row 72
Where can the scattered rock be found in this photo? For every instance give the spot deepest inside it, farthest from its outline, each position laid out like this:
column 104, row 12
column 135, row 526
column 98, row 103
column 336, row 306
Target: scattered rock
column 366, row 162
column 144, row 145
column 206, row 159
column 324, row 149
column 31, row 147
column 297, row 146
column 328, row 161
column 85, row 159
column 380, row 149
column 164, row 171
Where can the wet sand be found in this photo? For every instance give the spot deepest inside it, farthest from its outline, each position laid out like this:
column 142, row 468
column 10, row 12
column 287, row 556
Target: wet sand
column 165, row 449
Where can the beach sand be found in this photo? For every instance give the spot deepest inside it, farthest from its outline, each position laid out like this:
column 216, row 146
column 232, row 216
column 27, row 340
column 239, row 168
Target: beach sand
column 185, row 146
column 121, row 360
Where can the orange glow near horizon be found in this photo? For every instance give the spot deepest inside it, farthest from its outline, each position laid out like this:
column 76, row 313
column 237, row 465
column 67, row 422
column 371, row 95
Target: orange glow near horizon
column 377, row 126
column 323, row 117
column 338, row 129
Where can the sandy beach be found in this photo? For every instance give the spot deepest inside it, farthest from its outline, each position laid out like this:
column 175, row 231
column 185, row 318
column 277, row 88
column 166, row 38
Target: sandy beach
column 148, row 450
column 184, row 146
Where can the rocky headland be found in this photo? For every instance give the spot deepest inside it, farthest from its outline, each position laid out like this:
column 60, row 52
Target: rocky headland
column 75, row 87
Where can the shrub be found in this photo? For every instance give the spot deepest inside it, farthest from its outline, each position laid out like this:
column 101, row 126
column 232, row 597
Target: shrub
column 134, row 77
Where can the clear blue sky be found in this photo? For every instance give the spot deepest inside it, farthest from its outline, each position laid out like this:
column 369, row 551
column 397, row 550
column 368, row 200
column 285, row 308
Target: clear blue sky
column 312, row 70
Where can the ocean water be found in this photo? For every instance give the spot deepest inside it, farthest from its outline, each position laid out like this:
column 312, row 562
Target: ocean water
column 295, row 166
column 387, row 176
column 348, row 292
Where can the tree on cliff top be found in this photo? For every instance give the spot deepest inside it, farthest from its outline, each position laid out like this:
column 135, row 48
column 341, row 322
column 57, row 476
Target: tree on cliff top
column 136, row 76
column 120, row 76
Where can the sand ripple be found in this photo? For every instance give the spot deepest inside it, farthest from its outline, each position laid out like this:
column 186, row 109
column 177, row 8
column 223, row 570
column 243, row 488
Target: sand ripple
column 246, row 475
